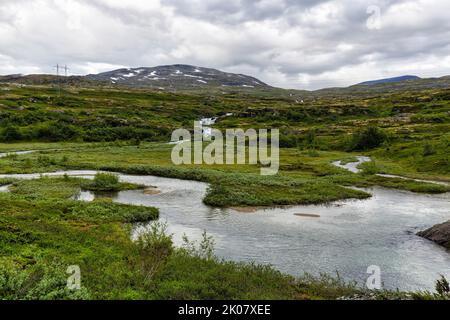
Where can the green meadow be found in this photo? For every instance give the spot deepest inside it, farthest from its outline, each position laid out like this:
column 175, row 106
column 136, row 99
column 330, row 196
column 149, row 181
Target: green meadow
column 43, row 229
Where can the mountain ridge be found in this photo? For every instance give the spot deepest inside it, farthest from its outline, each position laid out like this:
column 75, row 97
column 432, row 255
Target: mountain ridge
column 389, row 80
column 177, row 76
column 190, row 78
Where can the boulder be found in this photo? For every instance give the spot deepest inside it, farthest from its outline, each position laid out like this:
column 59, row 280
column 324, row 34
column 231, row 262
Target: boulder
column 440, row 234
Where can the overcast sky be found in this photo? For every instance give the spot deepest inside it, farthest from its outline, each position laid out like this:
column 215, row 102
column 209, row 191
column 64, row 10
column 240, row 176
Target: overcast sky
column 288, row 43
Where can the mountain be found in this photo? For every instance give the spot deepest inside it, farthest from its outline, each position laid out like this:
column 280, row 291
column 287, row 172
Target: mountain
column 205, row 80
column 364, row 90
column 389, row 80
column 177, row 76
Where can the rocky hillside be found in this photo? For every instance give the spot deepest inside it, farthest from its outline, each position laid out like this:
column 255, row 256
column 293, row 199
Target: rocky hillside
column 177, row 77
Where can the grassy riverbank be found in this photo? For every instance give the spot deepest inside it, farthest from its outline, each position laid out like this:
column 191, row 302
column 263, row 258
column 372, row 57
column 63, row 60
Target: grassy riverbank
column 303, row 178
column 43, row 232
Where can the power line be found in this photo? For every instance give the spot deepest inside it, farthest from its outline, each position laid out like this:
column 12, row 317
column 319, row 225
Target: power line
column 58, row 78
column 58, row 83
column 65, row 70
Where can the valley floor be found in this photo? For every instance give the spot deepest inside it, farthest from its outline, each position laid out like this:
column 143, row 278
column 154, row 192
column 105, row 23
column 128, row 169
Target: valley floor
column 43, row 229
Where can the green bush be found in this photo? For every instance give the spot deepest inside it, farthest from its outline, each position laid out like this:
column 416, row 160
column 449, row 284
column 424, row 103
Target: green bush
column 369, row 168
column 428, row 150
column 40, row 281
column 104, row 210
column 310, row 138
column 204, row 249
column 57, row 131
column 366, row 139
column 154, row 247
column 106, row 182
column 11, row 134
column 288, row 141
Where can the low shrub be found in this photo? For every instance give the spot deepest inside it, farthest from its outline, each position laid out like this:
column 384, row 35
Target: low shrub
column 366, row 139
column 204, row 249
column 41, row 281
column 369, row 168
column 105, row 210
column 154, row 248
column 105, row 182
column 428, row 150
column 11, row 134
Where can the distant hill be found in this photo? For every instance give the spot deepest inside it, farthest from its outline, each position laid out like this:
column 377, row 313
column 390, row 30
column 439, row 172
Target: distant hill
column 389, row 80
column 211, row 81
column 48, row 79
column 177, row 76
column 385, row 87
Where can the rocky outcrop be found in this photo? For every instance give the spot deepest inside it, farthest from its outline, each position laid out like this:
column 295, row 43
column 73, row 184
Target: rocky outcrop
column 440, row 234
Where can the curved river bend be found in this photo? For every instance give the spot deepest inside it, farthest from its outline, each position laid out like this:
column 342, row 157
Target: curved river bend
column 346, row 236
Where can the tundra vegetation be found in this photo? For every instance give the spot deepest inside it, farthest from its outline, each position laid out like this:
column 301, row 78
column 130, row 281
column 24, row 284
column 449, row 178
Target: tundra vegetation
column 43, row 229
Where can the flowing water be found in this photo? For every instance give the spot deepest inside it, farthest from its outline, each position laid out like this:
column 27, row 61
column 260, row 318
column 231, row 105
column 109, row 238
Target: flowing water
column 5, row 154
column 206, row 124
column 345, row 236
column 352, row 166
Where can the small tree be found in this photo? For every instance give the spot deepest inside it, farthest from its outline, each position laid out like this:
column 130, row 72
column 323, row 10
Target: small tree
column 204, row 249
column 368, row 138
column 11, row 133
column 311, row 139
column 428, row 149
column 155, row 247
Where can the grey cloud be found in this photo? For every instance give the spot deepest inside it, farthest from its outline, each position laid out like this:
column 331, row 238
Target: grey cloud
column 236, row 11
column 289, row 43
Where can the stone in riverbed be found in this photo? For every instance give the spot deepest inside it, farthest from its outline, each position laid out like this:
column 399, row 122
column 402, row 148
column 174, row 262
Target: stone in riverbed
column 439, row 233
column 245, row 209
column 152, row 190
column 307, row 215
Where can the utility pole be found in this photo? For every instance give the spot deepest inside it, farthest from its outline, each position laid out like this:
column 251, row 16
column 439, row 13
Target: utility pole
column 58, row 78
column 65, row 70
column 58, row 84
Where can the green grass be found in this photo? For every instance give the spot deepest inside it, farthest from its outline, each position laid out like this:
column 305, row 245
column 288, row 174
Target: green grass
column 303, row 178
column 414, row 124
column 42, row 230
column 39, row 239
column 4, row 182
column 393, row 183
column 108, row 182
column 254, row 191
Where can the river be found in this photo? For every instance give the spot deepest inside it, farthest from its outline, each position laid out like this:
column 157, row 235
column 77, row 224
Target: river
column 345, row 236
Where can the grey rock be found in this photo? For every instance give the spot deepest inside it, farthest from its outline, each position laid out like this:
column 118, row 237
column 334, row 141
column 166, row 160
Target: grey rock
column 439, row 233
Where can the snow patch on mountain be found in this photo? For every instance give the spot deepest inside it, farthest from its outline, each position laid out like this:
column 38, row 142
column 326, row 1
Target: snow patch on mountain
column 176, row 77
